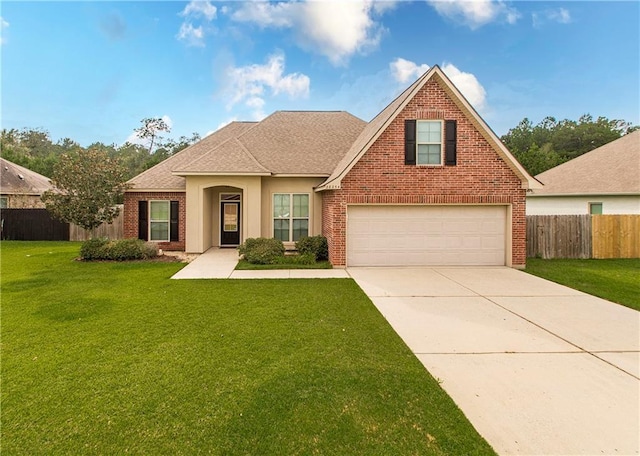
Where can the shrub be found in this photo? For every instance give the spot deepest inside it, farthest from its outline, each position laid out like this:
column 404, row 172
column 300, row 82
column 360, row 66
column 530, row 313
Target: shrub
column 314, row 245
column 121, row 250
column 94, row 249
column 262, row 250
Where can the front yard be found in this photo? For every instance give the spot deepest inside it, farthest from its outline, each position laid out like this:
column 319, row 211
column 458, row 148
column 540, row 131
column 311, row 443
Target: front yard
column 114, row 358
column 615, row 280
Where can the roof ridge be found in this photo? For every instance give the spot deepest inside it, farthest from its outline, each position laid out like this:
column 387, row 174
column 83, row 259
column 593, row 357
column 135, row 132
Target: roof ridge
column 244, row 148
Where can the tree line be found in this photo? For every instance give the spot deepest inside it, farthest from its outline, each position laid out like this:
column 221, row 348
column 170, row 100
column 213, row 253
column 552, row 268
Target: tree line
column 34, row 149
column 552, row 142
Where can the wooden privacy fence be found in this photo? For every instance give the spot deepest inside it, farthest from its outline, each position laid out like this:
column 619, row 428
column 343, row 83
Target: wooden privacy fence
column 583, row 236
column 31, row 225
column 39, row 225
column 113, row 230
column 616, row 236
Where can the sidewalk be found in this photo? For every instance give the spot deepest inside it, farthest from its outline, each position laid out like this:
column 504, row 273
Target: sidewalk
column 218, row 263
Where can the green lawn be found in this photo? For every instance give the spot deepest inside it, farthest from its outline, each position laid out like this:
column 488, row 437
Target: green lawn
column 115, row 358
column 615, row 280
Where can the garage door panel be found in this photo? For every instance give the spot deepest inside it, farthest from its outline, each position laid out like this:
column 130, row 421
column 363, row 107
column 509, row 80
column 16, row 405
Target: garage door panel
column 426, row 235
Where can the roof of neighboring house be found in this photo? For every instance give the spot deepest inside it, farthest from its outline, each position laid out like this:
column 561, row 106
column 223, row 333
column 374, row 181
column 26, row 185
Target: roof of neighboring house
column 161, row 177
column 610, row 169
column 380, row 123
column 18, row 180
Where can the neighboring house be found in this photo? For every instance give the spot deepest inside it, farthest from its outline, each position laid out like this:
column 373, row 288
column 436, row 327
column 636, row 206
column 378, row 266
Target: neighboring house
column 603, row 181
column 21, row 188
column 426, row 182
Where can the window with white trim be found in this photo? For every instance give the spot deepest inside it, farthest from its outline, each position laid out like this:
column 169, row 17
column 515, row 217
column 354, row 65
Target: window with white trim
column 429, row 142
column 290, row 216
column 4, row 202
column 159, row 220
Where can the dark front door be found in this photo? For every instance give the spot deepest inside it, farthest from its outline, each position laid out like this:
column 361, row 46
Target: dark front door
column 229, row 223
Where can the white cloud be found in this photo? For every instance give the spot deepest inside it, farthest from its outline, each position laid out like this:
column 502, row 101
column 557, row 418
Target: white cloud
column 559, row 15
column 336, row 29
column 266, row 14
column 468, row 84
column 3, row 25
column 250, row 84
column 475, row 13
column 198, row 8
column 404, row 71
column 193, row 36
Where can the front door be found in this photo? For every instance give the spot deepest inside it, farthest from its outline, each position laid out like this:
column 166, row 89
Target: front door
column 229, row 223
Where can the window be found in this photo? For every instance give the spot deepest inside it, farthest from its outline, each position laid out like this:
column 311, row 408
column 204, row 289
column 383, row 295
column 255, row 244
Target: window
column 429, row 142
column 424, row 143
column 290, row 216
column 159, row 220
column 4, row 202
column 595, row 208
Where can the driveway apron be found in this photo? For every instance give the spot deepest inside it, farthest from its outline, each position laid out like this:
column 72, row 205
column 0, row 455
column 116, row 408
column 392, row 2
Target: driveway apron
column 538, row 368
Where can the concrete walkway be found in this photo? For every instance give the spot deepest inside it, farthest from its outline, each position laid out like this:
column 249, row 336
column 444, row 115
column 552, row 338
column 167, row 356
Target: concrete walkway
column 218, row 263
column 538, row 368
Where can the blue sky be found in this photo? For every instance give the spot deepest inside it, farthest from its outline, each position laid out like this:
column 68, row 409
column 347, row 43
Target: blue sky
column 91, row 71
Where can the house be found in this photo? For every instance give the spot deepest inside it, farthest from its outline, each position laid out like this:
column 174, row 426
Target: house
column 603, row 181
column 21, row 188
column 426, row 182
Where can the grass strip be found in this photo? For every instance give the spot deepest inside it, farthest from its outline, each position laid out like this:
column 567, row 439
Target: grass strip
column 616, row 280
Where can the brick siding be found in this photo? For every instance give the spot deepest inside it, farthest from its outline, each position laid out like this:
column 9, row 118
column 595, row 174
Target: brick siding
column 131, row 215
column 381, row 177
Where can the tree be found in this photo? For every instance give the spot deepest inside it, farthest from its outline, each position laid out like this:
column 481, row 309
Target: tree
column 150, row 128
column 87, row 187
column 551, row 142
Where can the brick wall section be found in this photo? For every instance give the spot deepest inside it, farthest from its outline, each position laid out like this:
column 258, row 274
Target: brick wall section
column 131, row 215
column 381, row 177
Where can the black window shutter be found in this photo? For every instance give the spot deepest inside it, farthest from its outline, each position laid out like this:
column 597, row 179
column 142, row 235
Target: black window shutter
column 450, row 149
column 143, row 220
column 409, row 142
column 173, row 228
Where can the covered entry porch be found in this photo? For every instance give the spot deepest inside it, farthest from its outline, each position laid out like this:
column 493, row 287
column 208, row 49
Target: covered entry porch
column 222, row 211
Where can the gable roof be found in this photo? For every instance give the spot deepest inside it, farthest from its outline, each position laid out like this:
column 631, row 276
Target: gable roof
column 379, row 124
column 18, row 180
column 610, row 169
column 160, row 177
column 284, row 143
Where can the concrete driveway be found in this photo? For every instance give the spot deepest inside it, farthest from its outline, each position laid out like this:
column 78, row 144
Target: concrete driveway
column 538, row 368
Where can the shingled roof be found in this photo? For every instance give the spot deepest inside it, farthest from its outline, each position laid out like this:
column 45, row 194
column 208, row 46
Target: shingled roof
column 161, row 177
column 18, row 180
column 296, row 143
column 286, row 142
column 610, row 169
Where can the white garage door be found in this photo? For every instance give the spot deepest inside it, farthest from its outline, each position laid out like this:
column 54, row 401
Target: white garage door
column 426, row 235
